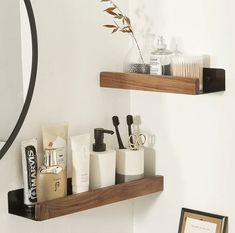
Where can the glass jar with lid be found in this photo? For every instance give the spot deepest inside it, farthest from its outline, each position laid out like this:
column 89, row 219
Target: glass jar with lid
column 160, row 59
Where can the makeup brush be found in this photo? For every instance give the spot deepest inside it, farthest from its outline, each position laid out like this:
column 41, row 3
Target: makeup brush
column 116, row 123
column 130, row 121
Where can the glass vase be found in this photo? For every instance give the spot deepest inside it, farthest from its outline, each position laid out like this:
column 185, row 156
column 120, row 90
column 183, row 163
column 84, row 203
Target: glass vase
column 137, row 59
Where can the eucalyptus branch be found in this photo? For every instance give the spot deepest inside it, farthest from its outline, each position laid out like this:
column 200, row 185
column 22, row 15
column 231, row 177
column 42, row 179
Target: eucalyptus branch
column 117, row 14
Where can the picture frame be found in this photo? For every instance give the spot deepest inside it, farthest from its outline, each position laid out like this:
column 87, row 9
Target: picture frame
column 194, row 221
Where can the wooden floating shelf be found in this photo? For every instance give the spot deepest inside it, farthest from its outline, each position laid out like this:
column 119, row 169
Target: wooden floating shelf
column 83, row 201
column 213, row 81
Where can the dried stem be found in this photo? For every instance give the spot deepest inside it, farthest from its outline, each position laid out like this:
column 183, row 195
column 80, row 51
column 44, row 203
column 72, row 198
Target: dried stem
column 127, row 27
column 138, row 47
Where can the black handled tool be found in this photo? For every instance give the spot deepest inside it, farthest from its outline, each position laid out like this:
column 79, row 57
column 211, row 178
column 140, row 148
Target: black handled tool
column 116, row 123
column 130, row 121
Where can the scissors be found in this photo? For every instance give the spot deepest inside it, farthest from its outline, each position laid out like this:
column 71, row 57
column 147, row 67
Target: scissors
column 136, row 141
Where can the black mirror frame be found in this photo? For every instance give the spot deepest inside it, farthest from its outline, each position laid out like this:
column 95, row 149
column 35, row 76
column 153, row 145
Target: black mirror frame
column 32, row 80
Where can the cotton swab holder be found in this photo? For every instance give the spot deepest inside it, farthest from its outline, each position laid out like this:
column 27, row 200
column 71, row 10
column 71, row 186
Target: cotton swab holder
column 130, row 165
column 188, row 67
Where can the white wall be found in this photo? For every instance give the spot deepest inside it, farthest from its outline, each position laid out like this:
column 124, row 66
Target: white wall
column 73, row 49
column 26, row 51
column 195, row 134
column 11, row 88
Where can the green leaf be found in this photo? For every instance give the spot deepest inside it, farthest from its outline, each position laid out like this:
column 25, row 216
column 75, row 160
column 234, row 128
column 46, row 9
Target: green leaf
column 127, row 19
column 126, row 29
column 110, row 12
column 110, row 9
column 109, row 26
column 115, row 30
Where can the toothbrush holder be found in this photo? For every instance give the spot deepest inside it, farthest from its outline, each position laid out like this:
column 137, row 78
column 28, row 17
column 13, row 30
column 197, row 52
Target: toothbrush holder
column 129, row 165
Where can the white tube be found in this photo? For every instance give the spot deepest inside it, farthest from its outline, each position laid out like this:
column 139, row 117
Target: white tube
column 29, row 163
column 80, row 162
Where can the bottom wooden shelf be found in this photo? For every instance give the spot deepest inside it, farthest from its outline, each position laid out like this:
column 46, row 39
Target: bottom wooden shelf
column 83, row 201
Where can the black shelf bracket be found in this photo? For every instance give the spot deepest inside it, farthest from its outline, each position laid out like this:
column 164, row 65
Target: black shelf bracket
column 16, row 203
column 213, row 80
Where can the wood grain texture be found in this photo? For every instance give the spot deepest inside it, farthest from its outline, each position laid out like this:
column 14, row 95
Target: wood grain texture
column 132, row 81
column 99, row 197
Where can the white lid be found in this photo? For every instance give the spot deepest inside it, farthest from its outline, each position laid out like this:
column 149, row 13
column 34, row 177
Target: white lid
column 161, row 43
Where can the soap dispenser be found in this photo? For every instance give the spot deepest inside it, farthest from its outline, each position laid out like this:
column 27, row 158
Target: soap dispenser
column 103, row 162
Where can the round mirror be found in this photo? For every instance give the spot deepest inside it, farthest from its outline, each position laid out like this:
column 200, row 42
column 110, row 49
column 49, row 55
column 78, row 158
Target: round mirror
column 18, row 67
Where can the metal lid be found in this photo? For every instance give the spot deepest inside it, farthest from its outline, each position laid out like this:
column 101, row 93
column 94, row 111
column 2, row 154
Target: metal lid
column 50, row 157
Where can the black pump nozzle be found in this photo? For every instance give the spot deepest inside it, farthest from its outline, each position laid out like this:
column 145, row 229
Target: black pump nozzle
column 99, row 145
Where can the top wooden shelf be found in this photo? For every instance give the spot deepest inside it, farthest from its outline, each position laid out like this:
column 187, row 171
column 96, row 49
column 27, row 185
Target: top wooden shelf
column 213, row 81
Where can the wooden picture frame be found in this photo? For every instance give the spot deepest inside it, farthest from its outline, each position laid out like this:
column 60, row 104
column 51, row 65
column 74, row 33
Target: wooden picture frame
column 193, row 221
